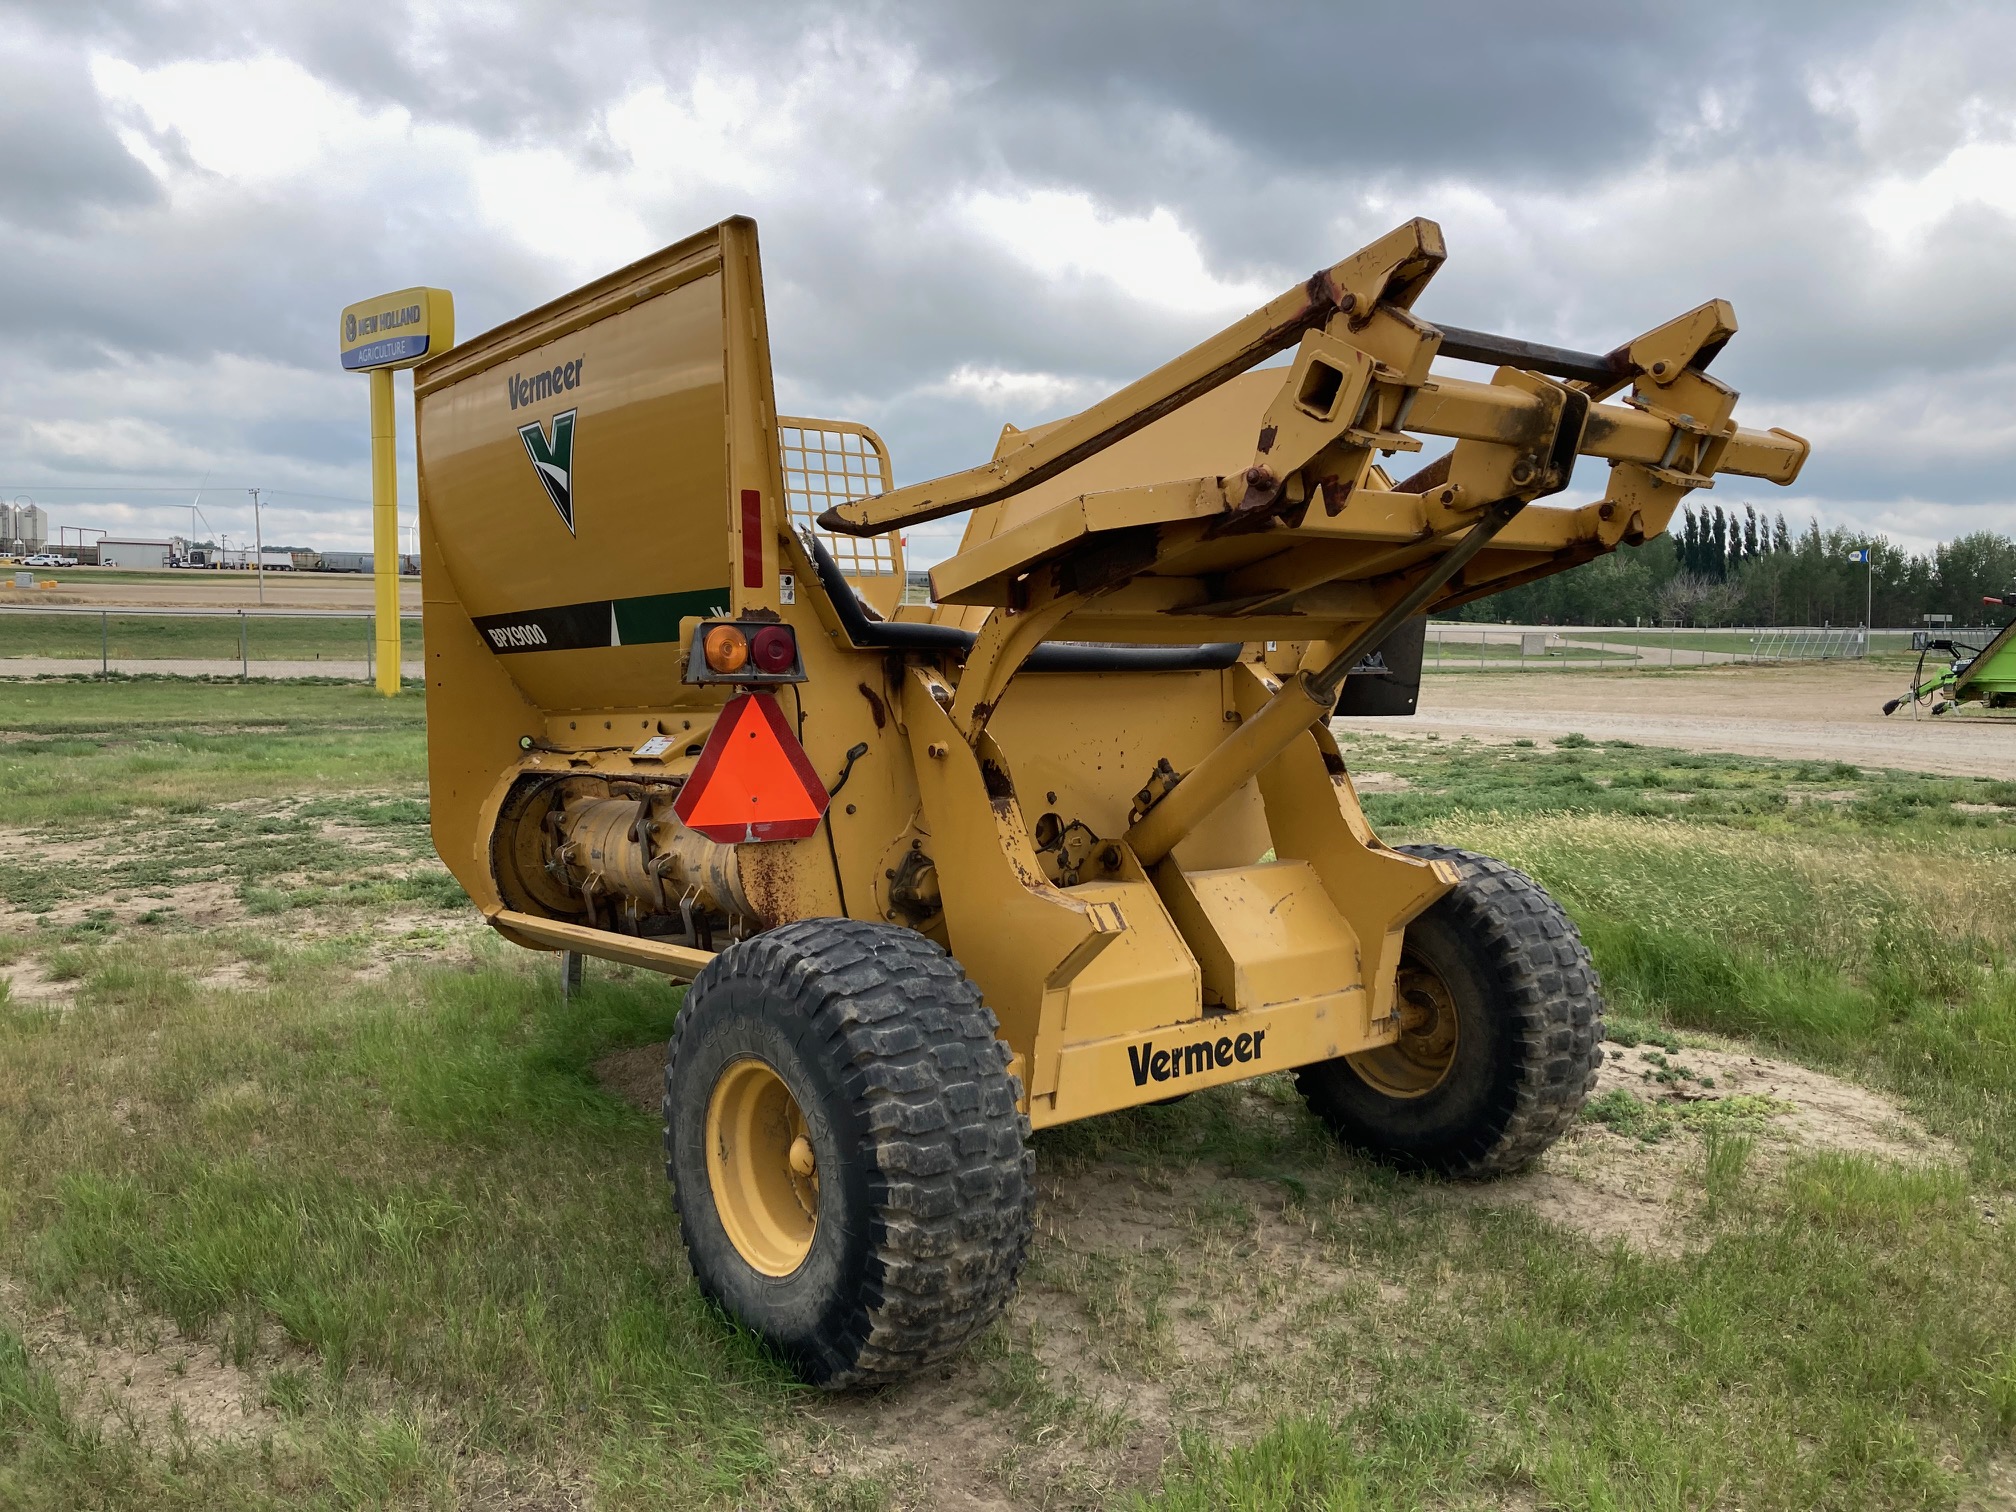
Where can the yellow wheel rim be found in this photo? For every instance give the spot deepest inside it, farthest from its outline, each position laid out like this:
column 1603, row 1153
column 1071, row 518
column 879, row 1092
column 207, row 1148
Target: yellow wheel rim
column 1418, row 1062
column 761, row 1167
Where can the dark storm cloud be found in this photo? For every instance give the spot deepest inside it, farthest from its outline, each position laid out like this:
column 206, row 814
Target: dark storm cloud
column 63, row 158
column 1596, row 169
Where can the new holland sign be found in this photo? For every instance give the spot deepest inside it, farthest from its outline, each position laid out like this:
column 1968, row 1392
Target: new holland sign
column 397, row 330
column 375, row 336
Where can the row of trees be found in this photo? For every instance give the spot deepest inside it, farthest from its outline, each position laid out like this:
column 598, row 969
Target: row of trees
column 1711, row 543
column 1717, row 567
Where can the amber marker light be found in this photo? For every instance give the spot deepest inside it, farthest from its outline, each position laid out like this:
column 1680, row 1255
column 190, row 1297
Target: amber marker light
column 726, row 649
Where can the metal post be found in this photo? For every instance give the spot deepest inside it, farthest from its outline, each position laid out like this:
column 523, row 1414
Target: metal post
column 244, row 651
column 104, row 643
column 573, row 973
column 258, row 544
column 385, row 530
column 370, row 637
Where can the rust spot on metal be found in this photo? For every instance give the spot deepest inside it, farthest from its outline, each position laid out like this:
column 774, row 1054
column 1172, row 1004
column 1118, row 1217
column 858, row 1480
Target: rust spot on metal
column 769, row 881
column 1336, row 493
column 1263, row 489
column 1267, row 435
column 875, row 705
column 1434, row 475
column 1109, row 558
column 999, row 788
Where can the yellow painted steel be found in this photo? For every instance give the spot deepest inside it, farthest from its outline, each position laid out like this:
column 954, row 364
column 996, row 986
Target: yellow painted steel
column 1418, row 1061
column 378, row 336
column 1238, row 914
column 761, row 1170
column 385, row 531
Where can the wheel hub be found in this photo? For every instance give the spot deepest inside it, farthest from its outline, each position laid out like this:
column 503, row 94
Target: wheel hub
column 761, row 1167
column 1418, row 1061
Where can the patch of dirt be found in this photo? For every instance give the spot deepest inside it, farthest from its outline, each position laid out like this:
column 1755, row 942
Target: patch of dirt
column 1608, row 1185
column 637, row 1076
column 1826, row 711
column 31, row 988
column 1827, row 1113
column 33, row 846
column 229, row 977
column 143, row 1377
column 207, row 905
column 1380, row 782
column 1997, row 1490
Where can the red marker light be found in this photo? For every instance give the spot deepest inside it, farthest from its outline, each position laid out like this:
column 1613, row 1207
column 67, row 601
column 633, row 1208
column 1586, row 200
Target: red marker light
column 773, row 649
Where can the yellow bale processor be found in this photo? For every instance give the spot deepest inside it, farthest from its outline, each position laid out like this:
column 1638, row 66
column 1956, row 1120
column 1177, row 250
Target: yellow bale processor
column 1073, row 837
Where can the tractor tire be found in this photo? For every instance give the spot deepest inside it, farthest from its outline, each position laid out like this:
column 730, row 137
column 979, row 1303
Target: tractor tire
column 852, row 1175
column 1503, row 1033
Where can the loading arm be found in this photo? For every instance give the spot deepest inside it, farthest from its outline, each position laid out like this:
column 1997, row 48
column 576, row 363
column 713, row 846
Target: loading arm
column 1361, row 384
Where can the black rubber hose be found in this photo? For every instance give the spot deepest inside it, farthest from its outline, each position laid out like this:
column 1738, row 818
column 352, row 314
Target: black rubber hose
column 1052, row 656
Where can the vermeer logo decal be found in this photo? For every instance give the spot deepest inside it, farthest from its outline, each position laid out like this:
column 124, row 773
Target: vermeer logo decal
column 1145, row 1061
column 553, row 459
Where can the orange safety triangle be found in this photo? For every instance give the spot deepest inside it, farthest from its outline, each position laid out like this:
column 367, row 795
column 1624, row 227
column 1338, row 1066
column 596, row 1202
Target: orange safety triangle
column 753, row 781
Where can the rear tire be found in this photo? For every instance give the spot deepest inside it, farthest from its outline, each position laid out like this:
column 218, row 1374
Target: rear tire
column 1508, row 1017
column 851, row 1173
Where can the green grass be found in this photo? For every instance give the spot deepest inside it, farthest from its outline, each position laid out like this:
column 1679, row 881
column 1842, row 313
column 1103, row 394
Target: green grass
column 418, row 1188
column 85, row 752
column 212, row 637
column 1860, row 919
column 355, row 1151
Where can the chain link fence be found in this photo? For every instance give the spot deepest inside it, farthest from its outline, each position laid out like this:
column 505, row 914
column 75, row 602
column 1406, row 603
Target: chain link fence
column 202, row 642
column 1453, row 646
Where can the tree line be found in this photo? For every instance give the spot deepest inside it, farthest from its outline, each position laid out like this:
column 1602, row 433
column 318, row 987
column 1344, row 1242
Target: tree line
column 1740, row 567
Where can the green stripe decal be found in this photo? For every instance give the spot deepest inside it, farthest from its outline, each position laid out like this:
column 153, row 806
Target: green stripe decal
column 650, row 619
column 655, row 617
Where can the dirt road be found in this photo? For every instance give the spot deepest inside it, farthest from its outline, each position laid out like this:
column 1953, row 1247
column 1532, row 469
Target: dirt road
column 55, row 666
column 1826, row 710
column 207, row 590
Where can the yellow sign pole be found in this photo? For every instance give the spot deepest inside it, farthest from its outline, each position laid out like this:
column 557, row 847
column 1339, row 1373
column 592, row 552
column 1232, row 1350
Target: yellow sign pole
column 385, row 529
column 379, row 336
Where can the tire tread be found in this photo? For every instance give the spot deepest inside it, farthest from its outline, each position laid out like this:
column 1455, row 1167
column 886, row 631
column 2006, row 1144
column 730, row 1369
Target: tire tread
column 953, row 1183
column 1552, row 991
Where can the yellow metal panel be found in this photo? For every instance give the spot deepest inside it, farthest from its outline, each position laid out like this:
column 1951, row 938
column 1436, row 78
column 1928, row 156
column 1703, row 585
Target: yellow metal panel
column 680, row 962
column 476, row 717
column 648, row 489
column 1130, row 1069
column 1145, row 979
column 1080, row 744
column 1021, row 940
column 1314, row 816
column 1264, row 935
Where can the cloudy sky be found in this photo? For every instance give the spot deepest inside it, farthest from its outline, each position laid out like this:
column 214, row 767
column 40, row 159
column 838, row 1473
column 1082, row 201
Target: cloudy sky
column 974, row 213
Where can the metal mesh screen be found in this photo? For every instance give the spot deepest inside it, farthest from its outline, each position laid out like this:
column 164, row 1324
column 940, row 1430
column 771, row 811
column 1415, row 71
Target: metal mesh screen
column 828, row 462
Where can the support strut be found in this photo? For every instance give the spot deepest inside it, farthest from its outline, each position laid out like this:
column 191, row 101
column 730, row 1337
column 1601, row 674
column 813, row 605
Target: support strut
column 1303, row 700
